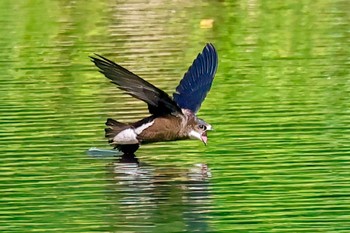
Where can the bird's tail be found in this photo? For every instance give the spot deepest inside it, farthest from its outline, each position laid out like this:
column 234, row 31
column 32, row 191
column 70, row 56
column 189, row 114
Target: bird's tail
column 113, row 128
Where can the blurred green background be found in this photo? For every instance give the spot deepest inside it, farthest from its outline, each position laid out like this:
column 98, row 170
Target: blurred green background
column 278, row 160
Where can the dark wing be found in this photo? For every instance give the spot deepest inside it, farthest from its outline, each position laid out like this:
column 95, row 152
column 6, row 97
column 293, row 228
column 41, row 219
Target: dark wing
column 158, row 101
column 196, row 83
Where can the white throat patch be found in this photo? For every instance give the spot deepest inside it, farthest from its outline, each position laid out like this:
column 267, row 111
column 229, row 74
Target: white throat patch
column 195, row 135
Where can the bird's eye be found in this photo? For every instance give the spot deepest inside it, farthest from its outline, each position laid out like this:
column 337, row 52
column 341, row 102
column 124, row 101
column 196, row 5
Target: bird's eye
column 203, row 127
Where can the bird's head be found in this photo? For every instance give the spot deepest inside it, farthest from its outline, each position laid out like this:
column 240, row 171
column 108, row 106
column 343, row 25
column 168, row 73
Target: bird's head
column 199, row 130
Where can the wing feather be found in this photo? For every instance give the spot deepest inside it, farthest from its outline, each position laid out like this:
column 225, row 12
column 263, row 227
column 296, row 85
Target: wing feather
column 197, row 81
column 158, row 101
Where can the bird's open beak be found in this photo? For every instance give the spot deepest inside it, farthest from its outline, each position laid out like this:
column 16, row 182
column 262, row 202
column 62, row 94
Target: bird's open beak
column 204, row 138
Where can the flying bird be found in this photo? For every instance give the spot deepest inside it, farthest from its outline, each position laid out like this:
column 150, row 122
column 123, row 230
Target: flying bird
column 170, row 118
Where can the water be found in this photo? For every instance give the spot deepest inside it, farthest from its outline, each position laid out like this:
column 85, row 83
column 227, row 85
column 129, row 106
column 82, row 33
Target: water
column 278, row 160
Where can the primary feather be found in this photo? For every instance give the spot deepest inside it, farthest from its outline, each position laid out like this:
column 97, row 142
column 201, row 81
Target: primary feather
column 197, row 81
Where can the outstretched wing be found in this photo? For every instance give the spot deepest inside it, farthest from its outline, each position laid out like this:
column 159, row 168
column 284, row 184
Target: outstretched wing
column 196, row 83
column 158, row 101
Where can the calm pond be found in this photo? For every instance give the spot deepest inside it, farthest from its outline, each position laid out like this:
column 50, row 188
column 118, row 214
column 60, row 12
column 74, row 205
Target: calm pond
column 278, row 160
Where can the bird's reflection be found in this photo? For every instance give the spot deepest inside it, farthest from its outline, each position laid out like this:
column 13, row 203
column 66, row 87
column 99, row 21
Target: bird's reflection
column 128, row 159
column 145, row 197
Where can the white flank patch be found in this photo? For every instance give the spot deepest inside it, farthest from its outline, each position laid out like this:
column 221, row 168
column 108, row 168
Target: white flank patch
column 195, row 135
column 143, row 127
column 127, row 136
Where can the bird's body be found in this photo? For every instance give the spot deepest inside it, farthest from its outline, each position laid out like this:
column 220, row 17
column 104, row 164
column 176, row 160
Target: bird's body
column 171, row 118
column 162, row 128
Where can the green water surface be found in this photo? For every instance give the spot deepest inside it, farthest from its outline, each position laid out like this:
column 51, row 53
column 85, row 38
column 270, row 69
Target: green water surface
column 278, row 160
